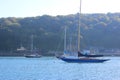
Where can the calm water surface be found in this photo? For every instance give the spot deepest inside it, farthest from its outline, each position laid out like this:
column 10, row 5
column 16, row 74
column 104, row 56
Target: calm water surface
column 50, row 68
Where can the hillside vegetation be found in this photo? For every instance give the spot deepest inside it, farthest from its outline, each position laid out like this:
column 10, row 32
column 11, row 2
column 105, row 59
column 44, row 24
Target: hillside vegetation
column 97, row 30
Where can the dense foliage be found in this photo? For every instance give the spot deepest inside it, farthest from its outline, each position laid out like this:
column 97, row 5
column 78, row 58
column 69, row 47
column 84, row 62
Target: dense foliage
column 97, row 30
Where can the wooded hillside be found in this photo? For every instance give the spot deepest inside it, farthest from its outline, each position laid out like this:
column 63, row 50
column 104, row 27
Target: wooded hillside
column 97, row 30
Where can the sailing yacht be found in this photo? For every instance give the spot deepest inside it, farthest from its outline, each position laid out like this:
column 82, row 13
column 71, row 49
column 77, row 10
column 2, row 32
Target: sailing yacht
column 33, row 52
column 78, row 58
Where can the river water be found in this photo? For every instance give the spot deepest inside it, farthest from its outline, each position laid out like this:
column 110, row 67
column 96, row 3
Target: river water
column 51, row 68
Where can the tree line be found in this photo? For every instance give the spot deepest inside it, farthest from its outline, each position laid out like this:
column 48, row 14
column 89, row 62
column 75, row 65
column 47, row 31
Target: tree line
column 97, row 30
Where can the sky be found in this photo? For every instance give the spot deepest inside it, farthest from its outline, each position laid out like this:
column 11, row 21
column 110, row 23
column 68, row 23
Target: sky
column 32, row 8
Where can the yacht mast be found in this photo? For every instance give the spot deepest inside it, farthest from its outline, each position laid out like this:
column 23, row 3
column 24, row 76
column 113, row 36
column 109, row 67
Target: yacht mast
column 79, row 24
column 65, row 39
column 31, row 43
